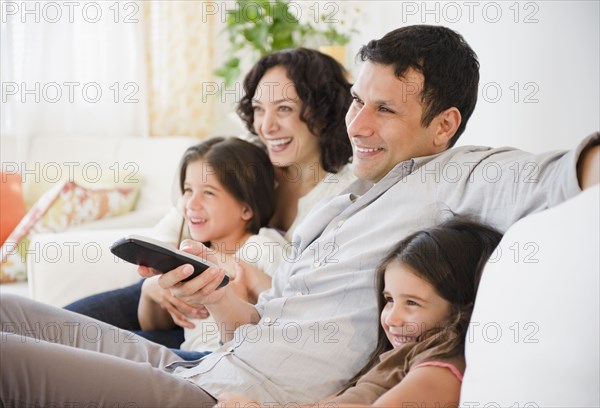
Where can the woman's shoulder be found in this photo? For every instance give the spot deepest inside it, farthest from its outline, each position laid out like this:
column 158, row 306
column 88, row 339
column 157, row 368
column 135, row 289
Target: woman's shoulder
column 341, row 179
column 265, row 250
column 331, row 185
column 171, row 228
column 268, row 235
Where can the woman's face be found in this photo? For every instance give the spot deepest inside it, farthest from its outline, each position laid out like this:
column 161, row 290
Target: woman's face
column 277, row 121
column 412, row 305
column 212, row 213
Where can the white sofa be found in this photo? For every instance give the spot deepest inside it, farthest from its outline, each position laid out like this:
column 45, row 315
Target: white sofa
column 63, row 267
column 534, row 335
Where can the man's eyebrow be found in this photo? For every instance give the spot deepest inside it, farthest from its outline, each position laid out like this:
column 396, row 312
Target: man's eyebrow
column 378, row 102
column 385, row 102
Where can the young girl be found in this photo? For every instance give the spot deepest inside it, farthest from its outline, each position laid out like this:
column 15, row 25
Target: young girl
column 426, row 290
column 227, row 188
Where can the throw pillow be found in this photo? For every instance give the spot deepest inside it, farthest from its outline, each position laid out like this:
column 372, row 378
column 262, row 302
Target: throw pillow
column 12, row 204
column 66, row 204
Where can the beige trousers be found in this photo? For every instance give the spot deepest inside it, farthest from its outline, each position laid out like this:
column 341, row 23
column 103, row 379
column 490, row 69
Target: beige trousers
column 50, row 357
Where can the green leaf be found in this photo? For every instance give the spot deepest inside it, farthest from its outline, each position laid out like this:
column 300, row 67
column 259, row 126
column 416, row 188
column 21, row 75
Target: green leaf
column 232, row 62
column 257, row 35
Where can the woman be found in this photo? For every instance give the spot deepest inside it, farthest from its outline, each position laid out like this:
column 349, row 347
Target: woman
column 295, row 101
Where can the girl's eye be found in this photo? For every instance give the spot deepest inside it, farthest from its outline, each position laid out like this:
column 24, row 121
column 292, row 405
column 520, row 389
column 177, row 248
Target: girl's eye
column 209, row 193
column 411, row 303
column 187, row 191
column 257, row 108
column 357, row 100
column 385, row 110
column 284, row 109
column 389, row 299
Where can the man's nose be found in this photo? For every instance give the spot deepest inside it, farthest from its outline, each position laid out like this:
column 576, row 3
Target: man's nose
column 359, row 121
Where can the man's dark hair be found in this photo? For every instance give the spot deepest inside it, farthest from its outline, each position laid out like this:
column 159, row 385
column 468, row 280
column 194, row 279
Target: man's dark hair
column 324, row 91
column 448, row 64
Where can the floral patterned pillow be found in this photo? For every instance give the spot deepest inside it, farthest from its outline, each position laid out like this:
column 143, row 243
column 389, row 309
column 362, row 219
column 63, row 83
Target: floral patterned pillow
column 66, row 204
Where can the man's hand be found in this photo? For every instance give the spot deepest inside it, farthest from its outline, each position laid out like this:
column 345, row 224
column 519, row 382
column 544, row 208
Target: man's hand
column 588, row 167
column 203, row 289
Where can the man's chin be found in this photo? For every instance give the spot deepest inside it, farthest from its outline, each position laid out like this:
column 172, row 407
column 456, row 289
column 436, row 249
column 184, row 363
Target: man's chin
column 367, row 173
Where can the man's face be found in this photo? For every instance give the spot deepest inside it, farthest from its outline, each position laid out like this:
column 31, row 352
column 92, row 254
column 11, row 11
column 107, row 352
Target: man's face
column 384, row 121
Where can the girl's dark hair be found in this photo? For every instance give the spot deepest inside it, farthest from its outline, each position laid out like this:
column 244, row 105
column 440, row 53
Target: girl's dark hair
column 243, row 169
column 448, row 64
column 321, row 84
column 451, row 257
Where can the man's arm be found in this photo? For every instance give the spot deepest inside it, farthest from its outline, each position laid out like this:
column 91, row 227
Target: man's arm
column 588, row 167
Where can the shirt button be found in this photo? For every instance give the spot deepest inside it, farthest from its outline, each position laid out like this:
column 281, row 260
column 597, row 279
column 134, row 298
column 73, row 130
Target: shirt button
column 340, row 223
column 267, row 320
column 230, row 350
column 317, row 264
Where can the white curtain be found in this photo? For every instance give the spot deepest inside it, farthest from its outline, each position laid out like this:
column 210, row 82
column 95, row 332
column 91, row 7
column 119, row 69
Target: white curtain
column 73, row 69
column 180, row 55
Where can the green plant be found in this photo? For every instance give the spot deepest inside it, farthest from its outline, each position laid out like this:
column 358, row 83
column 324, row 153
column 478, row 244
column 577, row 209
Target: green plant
column 259, row 27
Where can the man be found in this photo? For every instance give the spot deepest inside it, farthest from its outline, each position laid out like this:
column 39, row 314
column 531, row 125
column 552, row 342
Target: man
column 318, row 324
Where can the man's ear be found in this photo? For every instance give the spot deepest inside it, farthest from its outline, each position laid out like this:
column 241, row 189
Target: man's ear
column 247, row 213
column 448, row 123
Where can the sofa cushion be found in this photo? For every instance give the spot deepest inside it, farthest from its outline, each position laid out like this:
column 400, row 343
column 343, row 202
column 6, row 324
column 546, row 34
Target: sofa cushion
column 66, row 204
column 534, row 334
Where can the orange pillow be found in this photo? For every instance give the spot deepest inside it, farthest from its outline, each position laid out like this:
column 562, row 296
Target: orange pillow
column 12, row 204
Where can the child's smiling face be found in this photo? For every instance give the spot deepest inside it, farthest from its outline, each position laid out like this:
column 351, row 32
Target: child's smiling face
column 213, row 214
column 412, row 305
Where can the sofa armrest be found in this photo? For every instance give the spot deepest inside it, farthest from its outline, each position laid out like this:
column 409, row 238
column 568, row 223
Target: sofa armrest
column 68, row 266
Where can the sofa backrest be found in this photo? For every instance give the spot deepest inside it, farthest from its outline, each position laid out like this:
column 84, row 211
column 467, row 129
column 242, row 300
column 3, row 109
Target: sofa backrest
column 151, row 161
column 534, row 334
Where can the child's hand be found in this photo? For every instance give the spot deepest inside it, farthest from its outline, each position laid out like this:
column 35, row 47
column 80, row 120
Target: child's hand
column 179, row 310
column 230, row 400
column 147, row 272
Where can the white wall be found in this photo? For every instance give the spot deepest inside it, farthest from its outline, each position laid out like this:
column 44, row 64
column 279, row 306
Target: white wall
column 552, row 52
column 540, row 64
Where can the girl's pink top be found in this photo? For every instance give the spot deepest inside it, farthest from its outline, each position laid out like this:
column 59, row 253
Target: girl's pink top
column 449, row 366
